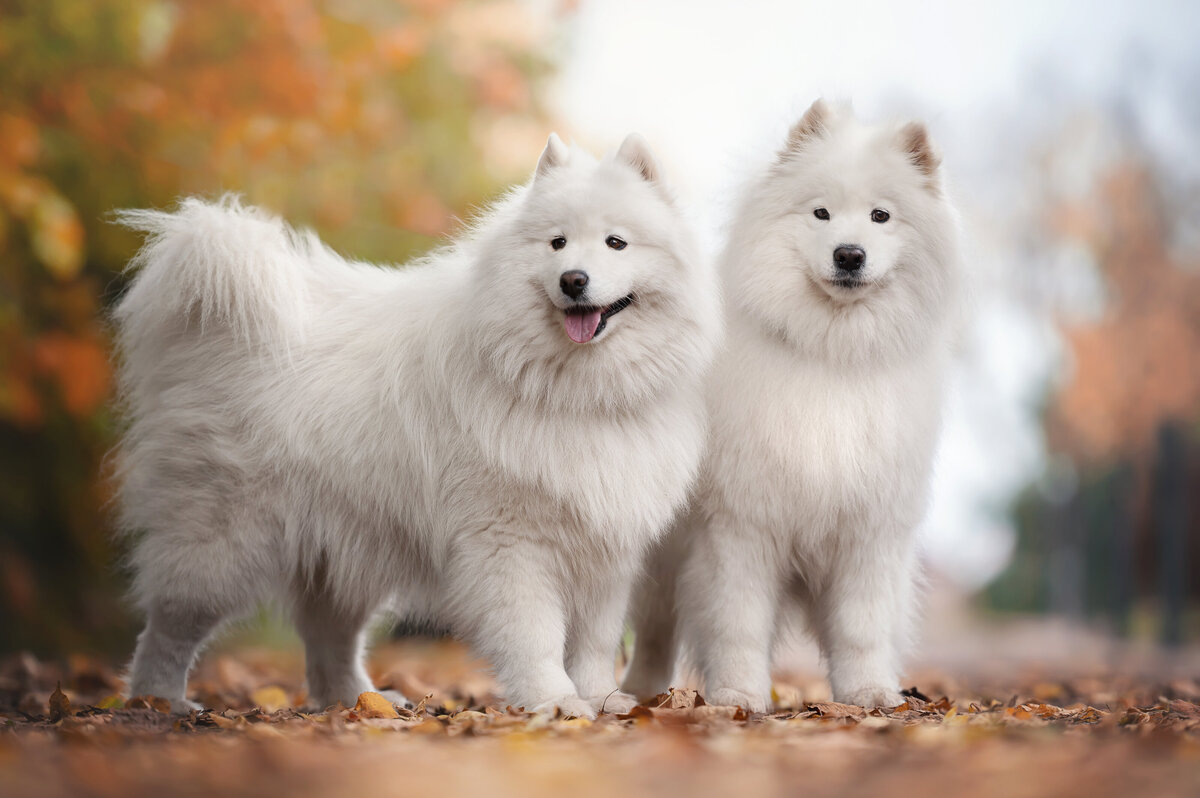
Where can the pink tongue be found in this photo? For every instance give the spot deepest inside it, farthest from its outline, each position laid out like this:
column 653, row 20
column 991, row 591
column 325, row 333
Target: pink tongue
column 581, row 326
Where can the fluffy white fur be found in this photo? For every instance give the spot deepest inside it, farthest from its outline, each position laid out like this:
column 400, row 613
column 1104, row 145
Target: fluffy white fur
column 344, row 437
column 825, row 405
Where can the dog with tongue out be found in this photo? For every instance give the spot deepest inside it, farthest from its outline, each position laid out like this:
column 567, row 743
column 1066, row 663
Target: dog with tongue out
column 489, row 438
column 585, row 322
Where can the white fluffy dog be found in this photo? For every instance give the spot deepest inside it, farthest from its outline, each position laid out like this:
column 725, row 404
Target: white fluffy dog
column 490, row 438
column 842, row 275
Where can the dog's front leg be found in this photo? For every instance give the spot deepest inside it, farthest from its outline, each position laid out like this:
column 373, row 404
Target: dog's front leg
column 728, row 599
column 506, row 598
column 861, row 611
column 596, row 626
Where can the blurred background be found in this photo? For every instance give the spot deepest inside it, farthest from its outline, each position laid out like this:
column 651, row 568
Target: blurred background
column 1066, row 490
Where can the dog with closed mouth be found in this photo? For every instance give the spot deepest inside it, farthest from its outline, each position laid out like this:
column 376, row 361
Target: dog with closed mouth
column 489, row 438
column 843, row 283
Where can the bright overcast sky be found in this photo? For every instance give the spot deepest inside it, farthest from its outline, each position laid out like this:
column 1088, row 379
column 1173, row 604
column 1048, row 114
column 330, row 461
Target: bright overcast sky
column 704, row 80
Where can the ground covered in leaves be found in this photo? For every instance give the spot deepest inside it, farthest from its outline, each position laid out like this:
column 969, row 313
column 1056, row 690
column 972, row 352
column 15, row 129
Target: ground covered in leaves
column 65, row 730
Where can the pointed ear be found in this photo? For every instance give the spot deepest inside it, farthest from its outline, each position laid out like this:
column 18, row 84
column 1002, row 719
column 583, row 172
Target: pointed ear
column 635, row 152
column 812, row 125
column 915, row 143
column 556, row 154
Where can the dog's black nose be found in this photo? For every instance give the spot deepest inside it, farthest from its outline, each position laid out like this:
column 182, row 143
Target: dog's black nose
column 849, row 259
column 573, row 283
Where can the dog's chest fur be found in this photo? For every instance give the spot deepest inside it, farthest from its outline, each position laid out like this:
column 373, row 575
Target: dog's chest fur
column 802, row 444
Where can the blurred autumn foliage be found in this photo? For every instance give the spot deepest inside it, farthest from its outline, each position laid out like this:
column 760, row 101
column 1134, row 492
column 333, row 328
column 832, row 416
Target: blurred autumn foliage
column 1114, row 530
column 376, row 122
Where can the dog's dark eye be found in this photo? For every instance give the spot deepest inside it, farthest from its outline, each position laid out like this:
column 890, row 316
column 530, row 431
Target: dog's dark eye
column 615, row 242
column 558, row 242
column 821, row 214
column 880, row 215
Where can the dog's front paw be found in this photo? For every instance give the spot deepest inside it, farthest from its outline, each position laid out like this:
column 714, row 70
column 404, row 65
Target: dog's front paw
column 569, row 706
column 872, row 697
column 729, row 697
column 615, row 703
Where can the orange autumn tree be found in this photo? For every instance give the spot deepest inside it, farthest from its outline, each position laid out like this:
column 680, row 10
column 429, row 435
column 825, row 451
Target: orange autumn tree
column 376, row 122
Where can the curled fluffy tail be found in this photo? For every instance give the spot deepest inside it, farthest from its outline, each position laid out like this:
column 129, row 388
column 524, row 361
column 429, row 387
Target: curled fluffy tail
column 214, row 264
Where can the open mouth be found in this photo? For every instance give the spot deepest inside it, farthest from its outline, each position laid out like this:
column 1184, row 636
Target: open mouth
column 585, row 322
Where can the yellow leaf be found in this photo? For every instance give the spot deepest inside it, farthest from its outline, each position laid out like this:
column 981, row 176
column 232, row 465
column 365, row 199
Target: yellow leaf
column 373, row 705
column 574, row 723
column 270, row 699
column 428, row 726
column 114, row 701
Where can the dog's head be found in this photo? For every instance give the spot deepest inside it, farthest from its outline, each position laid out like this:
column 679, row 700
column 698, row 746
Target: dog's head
column 594, row 281
column 849, row 236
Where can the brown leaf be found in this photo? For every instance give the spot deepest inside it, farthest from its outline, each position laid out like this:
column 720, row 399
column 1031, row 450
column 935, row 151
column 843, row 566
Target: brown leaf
column 217, row 720
column 678, row 698
column 1047, row 711
column 60, row 705
column 832, row 709
column 419, row 709
column 640, row 714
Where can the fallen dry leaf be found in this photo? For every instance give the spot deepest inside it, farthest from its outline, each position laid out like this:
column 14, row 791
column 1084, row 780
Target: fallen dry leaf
column 419, row 709
column 1110, row 734
column 678, row 698
column 60, row 705
column 113, row 701
column 374, row 705
column 832, row 709
column 270, row 699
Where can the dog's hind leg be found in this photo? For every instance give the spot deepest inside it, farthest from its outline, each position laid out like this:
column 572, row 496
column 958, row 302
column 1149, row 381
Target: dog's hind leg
column 167, row 647
column 654, row 620
column 334, row 643
column 189, row 578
